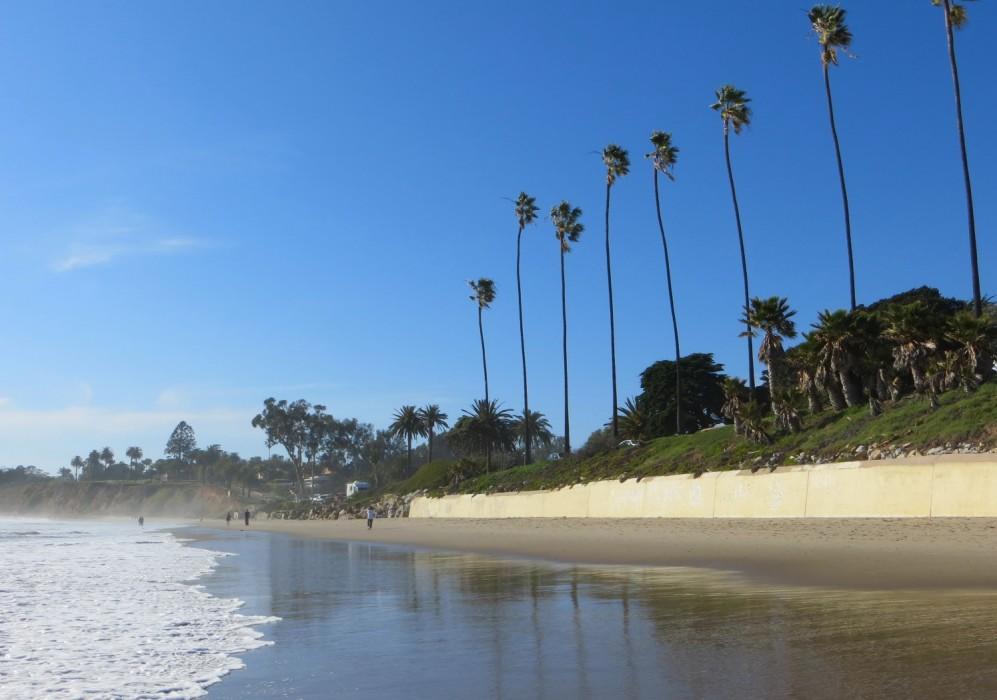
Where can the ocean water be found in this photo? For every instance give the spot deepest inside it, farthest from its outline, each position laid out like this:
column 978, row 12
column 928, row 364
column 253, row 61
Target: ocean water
column 111, row 610
column 361, row 621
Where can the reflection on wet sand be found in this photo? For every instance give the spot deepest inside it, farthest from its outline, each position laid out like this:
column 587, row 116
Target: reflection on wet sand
column 368, row 620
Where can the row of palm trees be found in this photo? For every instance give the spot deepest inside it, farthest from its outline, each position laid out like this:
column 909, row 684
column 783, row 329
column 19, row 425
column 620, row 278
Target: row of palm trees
column 919, row 344
column 483, row 429
column 733, row 106
column 411, row 423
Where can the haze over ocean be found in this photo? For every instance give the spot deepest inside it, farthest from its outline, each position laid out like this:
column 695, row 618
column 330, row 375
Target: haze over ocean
column 206, row 205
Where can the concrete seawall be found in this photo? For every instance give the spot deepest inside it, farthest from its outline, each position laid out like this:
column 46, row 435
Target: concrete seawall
column 919, row 487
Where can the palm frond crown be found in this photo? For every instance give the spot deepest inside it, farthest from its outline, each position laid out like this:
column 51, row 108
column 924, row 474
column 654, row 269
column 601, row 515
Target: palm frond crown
column 526, row 209
column 567, row 227
column 828, row 23
column 617, row 162
column 957, row 13
column 732, row 104
column 483, row 292
column 665, row 155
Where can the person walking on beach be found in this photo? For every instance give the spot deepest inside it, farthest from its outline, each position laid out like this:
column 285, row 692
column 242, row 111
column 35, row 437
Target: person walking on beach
column 228, row 517
column 141, row 521
column 247, row 517
column 370, row 517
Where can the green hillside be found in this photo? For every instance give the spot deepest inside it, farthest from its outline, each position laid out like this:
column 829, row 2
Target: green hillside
column 963, row 422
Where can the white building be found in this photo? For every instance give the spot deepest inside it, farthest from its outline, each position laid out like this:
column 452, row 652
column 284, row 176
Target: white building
column 355, row 487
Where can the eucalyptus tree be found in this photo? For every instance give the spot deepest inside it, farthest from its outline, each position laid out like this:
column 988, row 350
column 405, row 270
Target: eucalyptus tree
column 732, row 104
column 526, row 213
column 663, row 158
column 828, row 23
column 292, row 425
column 433, row 419
column 617, row 162
column 408, row 425
column 956, row 18
column 567, row 229
column 774, row 319
column 483, row 294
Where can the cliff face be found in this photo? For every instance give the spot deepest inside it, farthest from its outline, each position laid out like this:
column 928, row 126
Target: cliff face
column 73, row 499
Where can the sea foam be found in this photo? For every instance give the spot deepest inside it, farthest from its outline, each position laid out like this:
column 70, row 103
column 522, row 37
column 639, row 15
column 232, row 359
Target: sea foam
column 107, row 610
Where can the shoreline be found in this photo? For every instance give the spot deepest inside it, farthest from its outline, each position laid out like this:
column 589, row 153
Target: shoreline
column 854, row 553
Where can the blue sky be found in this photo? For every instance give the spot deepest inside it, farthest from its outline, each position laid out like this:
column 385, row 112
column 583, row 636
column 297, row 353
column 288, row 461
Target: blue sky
column 205, row 204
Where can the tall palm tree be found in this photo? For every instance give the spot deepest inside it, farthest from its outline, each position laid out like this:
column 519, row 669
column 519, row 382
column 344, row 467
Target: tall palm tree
column 567, row 229
column 828, row 23
column 617, row 162
column 433, row 419
column 134, row 455
column 773, row 318
column 483, row 295
column 107, row 457
column 955, row 18
column 408, row 425
column 526, row 213
column 732, row 104
column 77, row 464
column 663, row 157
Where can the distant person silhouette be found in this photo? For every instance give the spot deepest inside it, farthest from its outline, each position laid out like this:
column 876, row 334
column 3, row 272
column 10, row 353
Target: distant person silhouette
column 228, row 517
column 247, row 518
column 370, row 517
column 141, row 521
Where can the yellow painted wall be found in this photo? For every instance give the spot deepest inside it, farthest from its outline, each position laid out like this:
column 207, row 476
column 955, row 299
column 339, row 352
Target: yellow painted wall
column 682, row 496
column 942, row 486
column 764, row 494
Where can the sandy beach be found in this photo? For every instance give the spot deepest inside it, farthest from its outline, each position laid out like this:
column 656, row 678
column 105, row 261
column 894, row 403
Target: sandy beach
column 867, row 554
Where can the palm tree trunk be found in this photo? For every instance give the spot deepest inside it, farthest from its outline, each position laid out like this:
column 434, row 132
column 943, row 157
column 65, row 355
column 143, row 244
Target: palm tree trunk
column 484, row 361
column 671, row 301
column 612, row 318
column 430, row 444
column 772, row 362
column 844, row 190
column 744, row 262
column 522, row 349
column 851, row 388
column 834, row 394
column 564, row 349
column 977, row 303
column 409, row 456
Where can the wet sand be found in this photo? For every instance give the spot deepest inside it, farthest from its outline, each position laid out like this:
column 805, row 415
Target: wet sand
column 863, row 554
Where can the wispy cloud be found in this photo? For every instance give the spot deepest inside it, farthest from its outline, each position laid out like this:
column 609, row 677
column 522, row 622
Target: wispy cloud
column 118, row 232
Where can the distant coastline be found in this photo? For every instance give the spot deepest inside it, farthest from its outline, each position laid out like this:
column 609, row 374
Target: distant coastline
column 59, row 498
